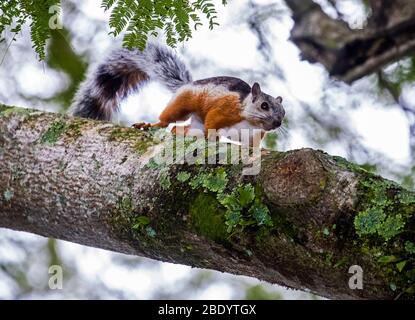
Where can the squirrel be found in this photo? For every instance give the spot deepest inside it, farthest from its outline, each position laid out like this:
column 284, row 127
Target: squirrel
column 219, row 103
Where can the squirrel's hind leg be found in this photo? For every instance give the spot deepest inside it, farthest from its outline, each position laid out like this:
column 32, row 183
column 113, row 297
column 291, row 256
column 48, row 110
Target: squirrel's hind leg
column 178, row 109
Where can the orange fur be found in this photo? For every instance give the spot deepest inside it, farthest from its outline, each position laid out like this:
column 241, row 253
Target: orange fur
column 215, row 111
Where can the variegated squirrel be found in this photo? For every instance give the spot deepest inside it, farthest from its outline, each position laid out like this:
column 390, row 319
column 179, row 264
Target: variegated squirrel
column 219, row 103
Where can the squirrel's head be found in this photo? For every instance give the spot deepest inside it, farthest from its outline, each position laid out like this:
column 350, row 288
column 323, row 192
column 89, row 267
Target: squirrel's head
column 263, row 110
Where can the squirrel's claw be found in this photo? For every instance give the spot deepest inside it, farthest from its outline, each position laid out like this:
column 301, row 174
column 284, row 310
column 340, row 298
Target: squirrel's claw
column 142, row 126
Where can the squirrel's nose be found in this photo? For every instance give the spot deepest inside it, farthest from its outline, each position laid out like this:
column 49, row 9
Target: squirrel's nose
column 276, row 123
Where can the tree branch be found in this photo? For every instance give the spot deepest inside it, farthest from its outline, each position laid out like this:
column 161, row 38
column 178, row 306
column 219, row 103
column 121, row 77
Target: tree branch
column 350, row 54
column 94, row 183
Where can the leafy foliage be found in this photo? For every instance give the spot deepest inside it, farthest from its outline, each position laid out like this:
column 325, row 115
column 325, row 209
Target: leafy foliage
column 16, row 13
column 141, row 222
column 53, row 133
column 379, row 224
column 244, row 209
column 183, row 176
column 374, row 220
column 410, row 247
column 138, row 18
column 214, row 182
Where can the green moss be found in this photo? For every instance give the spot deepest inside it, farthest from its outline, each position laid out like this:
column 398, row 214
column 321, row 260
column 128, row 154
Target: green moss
column 242, row 208
column 164, row 178
column 383, row 223
column 53, row 133
column 142, row 139
column 369, row 221
column 392, row 226
column 282, row 223
column 207, row 217
column 125, row 206
column 270, row 141
column 123, row 218
column 384, row 210
column 8, row 110
column 215, row 181
column 73, row 129
column 410, row 247
column 121, row 133
column 153, row 165
column 343, row 261
column 328, row 258
column 4, row 108
column 142, row 145
column 183, row 176
column 347, row 165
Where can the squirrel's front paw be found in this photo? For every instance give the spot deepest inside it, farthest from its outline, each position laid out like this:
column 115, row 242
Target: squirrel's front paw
column 142, row 126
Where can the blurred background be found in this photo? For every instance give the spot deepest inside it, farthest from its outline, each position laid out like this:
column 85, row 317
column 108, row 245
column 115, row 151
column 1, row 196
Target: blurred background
column 366, row 123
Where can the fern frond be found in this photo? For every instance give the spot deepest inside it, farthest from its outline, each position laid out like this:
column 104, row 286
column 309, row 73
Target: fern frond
column 141, row 18
column 137, row 18
column 16, row 13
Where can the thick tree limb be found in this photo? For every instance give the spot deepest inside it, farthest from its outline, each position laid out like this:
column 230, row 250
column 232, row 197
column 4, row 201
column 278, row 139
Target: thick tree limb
column 350, row 54
column 89, row 182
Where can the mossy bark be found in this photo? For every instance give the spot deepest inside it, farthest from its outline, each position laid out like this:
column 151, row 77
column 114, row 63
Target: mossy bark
column 302, row 221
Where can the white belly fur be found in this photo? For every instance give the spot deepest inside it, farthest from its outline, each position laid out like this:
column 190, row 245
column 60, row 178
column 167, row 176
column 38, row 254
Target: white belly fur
column 242, row 133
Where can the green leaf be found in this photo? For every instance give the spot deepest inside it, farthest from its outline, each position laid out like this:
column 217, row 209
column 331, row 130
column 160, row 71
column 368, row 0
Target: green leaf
column 233, row 218
column 246, row 195
column 230, row 202
column 410, row 247
column 216, row 182
column 411, row 289
column 261, row 214
column 183, row 176
column 388, row 259
column 143, row 220
column 136, row 18
column 197, row 181
column 401, row 265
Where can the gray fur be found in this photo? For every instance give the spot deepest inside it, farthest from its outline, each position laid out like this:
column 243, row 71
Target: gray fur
column 231, row 83
column 123, row 72
column 268, row 119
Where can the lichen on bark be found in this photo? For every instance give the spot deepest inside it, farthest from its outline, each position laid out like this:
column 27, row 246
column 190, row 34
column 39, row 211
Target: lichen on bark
column 302, row 222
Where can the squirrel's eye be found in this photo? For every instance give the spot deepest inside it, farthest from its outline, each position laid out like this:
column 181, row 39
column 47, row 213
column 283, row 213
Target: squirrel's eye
column 264, row 106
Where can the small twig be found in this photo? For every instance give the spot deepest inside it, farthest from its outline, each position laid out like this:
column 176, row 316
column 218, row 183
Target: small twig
column 7, row 48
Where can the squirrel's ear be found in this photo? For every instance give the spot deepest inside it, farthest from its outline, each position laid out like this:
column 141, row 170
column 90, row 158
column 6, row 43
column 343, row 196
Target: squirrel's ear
column 256, row 90
column 279, row 99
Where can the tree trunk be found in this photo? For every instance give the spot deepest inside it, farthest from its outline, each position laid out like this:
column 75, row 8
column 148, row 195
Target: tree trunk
column 350, row 54
column 302, row 222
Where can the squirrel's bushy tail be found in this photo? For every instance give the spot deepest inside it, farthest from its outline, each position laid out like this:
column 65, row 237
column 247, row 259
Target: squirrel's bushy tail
column 123, row 72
